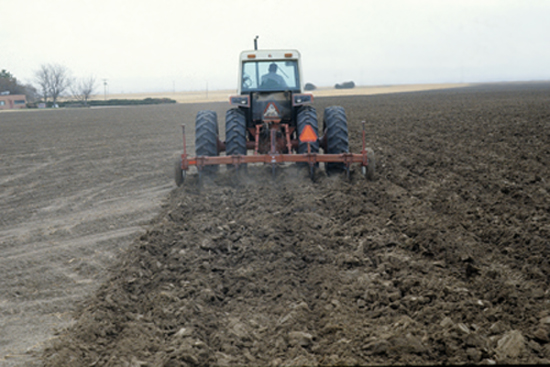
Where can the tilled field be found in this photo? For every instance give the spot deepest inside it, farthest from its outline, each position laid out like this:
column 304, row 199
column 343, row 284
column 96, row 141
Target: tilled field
column 442, row 259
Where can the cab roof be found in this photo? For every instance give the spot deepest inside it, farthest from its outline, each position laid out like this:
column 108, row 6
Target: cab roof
column 270, row 55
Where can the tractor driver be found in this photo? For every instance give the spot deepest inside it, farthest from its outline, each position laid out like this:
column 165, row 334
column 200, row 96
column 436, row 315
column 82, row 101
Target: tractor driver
column 272, row 79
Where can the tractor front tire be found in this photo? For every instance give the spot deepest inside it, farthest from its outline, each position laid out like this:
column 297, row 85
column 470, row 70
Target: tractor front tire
column 206, row 136
column 307, row 116
column 336, row 132
column 235, row 134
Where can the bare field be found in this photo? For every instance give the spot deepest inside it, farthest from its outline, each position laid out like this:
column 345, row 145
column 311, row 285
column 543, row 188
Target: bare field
column 76, row 188
column 223, row 95
column 442, row 259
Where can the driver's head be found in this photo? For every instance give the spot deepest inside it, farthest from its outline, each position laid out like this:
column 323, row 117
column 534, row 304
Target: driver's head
column 273, row 68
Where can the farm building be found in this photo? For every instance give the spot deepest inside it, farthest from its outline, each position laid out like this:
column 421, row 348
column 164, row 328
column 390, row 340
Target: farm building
column 12, row 101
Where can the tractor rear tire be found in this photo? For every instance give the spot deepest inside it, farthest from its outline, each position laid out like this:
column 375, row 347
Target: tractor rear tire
column 307, row 116
column 336, row 131
column 206, row 136
column 235, row 134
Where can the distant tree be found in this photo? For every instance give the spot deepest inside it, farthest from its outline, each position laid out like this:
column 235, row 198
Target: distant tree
column 310, row 86
column 345, row 85
column 30, row 92
column 83, row 89
column 4, row 74
column 8, row 83
column 53, row 80
column 42, row 78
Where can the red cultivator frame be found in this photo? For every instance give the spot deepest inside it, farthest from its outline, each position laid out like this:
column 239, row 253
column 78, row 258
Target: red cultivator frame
column 279, row 143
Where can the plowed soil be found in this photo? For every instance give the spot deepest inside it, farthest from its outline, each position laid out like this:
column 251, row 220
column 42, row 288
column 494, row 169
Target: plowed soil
column 442, row 259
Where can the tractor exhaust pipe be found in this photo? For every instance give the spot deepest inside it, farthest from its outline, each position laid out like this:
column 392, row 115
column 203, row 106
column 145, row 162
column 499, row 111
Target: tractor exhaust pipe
column 256, row 43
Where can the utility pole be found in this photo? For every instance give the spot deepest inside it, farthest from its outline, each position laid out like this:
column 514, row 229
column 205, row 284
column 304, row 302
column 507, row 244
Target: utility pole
column 105, row 89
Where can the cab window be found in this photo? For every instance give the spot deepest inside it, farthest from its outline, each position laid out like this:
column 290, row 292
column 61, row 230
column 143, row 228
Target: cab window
column 270, row 75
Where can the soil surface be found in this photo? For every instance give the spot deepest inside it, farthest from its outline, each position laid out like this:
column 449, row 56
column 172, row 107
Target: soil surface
column 442, row 259
column 76, row 187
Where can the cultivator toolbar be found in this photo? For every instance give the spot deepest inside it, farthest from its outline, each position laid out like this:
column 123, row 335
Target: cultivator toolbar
column 272, row 155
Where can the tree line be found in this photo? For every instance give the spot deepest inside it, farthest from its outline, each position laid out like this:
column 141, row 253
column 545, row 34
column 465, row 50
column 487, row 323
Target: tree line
column 9, row 84
column 52, row 81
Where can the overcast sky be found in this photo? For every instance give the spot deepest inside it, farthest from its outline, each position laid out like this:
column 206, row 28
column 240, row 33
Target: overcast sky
column 163, row 45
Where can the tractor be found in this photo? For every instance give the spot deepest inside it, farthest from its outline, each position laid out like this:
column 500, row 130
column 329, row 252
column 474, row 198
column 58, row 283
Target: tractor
column 273, row 119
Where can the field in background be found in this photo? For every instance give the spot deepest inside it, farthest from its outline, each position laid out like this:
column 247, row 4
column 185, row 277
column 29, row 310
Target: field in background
column 223, row 95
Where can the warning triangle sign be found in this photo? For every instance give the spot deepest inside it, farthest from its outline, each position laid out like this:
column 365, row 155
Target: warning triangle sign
column 308, row 135
column 271, row 111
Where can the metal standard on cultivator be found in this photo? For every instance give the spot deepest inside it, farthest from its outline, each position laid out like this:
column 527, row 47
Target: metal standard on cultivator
column 273, row 118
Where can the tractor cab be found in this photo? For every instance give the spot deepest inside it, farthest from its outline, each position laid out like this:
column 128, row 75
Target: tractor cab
column 270, row 85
